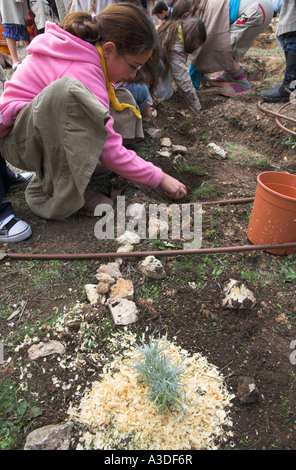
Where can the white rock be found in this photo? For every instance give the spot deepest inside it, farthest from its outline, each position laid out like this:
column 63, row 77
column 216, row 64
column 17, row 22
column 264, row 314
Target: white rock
column 152, row 268
column 179, row 148
column 112, row 269
column 45, row 349
column 166, row 142
column 106, row 278
column 125, row 248
column 163, row 153
column 154, row 132
column 92, row 293
column 237, row 296
column 123, row 311
column 157, row 226
column 136, row 210
column 129, row 237
column 216, row 150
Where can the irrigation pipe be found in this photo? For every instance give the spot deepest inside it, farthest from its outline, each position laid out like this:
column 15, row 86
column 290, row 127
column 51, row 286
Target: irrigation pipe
column 278, row 114
column 141, row 254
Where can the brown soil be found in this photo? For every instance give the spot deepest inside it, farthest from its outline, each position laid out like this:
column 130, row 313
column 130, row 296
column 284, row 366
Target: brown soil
column 253, row 342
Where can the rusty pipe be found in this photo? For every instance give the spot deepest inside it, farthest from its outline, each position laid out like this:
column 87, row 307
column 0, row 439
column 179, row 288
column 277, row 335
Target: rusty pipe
column 135, row 254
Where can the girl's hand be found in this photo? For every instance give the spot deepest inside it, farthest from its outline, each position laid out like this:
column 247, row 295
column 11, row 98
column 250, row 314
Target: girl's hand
column 172, row 187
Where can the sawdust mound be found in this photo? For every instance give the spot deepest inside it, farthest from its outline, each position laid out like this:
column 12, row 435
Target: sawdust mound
column 120, row 416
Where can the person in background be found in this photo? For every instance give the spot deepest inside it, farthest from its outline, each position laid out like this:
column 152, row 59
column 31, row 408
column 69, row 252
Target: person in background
column 43, row 13
column 232, row 26
column 59, row 7
column 179, row 38
column 60, row 124
column 162, row 11
column 286, row 36
column 13, row 14
column 95, row 6
column 277, row 6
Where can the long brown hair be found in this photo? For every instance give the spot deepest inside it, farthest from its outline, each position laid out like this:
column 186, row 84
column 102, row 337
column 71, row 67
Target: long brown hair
column 124, row 24
column 194, row 36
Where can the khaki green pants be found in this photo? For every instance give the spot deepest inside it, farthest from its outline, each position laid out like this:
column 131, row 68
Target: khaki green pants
column 59, row 136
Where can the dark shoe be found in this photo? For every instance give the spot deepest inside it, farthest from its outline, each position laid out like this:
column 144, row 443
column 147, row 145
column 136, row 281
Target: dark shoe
column 279, row 93
column 276, row 95
column 21, row 180
column 15, row 230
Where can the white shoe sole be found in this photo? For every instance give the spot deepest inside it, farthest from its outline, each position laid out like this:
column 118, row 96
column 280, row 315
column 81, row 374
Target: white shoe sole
column 17, row 237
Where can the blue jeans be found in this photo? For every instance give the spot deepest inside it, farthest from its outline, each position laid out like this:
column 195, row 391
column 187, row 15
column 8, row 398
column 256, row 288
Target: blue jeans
column 288, row 42
column 6, row 177
column 140, row 93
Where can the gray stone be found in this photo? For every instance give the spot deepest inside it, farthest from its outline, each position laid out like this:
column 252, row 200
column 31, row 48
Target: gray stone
column 50, row 437
column 152, row 268
column 45, row 349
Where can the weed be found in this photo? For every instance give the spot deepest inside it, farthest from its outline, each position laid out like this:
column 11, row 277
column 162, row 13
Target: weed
column 291, row 142
column 184, row 168
column 15, row 415
column 203, row 191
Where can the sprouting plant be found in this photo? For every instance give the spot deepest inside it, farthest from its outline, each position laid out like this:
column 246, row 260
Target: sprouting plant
column 291, row 142
column 162, row 376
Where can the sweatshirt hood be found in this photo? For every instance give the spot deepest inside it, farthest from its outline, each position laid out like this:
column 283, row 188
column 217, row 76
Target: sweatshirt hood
column 59, row 44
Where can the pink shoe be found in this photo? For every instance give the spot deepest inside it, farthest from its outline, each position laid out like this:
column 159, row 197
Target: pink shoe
column 239, row 86
column 221, row 81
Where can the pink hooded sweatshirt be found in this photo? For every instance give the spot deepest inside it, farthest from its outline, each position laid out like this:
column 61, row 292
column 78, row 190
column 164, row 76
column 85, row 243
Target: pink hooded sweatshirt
column 54, row 55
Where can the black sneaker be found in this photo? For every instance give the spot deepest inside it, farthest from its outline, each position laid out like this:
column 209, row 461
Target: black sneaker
column 15, row 230
column 21, row 180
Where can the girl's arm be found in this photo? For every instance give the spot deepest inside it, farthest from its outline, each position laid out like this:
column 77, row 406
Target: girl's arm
column 182, row 78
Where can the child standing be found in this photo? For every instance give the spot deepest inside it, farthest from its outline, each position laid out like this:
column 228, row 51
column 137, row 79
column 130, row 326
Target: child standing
column 13, row 18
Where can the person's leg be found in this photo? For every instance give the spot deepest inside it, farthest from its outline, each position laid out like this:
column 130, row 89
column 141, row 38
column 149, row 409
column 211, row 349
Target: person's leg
column 278, row 93
column 12, row 34
column 48, row 143
column 141, row 94
column 11, row 44
column 253, row 18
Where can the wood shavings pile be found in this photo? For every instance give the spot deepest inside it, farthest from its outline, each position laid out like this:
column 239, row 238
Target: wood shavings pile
column 120, row 416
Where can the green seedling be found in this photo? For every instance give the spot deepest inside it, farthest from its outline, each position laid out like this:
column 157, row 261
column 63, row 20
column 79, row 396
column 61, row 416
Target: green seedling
column 162, row 376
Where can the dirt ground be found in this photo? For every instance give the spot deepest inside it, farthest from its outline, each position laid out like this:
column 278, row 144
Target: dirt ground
column 253, row 342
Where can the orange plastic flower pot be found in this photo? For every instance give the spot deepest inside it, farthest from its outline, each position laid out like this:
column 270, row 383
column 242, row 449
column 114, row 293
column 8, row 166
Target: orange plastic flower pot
column 273, row 217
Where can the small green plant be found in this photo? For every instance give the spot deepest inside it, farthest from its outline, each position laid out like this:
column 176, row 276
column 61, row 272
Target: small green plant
column 162, row 376
column 291, row 142
column 203, row 191
column 183, row 168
